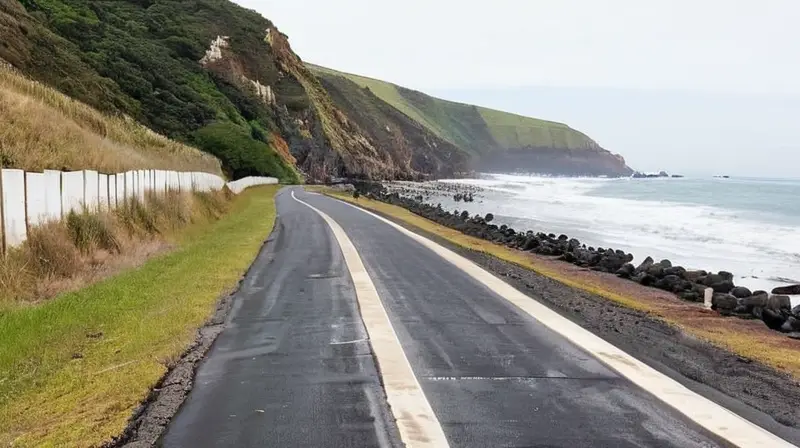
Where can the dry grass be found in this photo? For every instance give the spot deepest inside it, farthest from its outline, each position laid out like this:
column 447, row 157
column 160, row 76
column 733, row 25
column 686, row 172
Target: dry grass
column 74, row 369
column 44, row 129
column 86, row 247
column 747, row 338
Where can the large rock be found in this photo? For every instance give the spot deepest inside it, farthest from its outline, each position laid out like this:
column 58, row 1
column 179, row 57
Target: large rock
column 792, row 324
column 741, row 292
column 645, row 279
column 671, row 283
column 787, row 290
column 675, row 270
column 626, row 271
column 656, row 270
column 779, row 303
column 665, row 263
column 758, row 299
column 712, row 279
column 796, row 311
column 691, row 296
column 693, row 276
column 726, row 275
column 645, row 264
column 724, row 302
column 773, row 319
column 724, row 286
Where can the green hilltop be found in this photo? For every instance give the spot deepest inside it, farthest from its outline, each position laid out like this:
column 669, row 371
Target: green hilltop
column 478, row 130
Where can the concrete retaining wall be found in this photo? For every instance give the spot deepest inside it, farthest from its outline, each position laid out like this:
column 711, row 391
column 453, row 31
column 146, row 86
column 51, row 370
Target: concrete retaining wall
column 32, row 199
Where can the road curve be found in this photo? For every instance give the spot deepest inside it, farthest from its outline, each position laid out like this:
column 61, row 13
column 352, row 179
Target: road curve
column 295, row 365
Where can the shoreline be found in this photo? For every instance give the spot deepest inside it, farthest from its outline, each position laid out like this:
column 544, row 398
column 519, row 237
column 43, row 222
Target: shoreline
column 728, row 299
column 723, row 359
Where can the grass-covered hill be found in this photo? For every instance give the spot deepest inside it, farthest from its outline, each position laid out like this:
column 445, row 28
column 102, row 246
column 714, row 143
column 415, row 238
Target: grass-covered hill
column 222, row 78
column 493, row 137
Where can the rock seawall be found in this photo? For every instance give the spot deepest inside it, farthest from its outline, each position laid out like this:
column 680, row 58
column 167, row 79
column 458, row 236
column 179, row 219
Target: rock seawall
column 690, row 285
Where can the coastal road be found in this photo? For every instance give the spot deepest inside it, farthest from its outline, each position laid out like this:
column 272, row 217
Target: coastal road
column 350, row 332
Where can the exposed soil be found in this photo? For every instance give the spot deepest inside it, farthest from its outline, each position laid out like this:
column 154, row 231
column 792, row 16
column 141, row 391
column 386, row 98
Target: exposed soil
column 757, row 392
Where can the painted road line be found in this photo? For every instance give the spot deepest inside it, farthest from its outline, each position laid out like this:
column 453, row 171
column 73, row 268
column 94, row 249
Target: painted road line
column 416, row 421
column 711, row 416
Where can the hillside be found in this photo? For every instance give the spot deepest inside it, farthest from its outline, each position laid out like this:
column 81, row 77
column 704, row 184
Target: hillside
column 224, row 79
column 45, row 129
column 497, row 140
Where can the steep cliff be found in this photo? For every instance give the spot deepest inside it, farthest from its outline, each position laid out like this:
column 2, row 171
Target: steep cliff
column 224, row 79
column 497, row 141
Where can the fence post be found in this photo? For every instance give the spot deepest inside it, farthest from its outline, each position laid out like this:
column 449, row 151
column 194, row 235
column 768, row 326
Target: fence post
column 14, row 214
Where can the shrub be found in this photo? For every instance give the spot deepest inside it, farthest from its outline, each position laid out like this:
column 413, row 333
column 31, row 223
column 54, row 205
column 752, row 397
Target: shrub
column 51, row 251
column 91, row 231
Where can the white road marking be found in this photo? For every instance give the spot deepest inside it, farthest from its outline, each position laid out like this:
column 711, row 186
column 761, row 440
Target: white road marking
column 415, row 418
column 711, row 416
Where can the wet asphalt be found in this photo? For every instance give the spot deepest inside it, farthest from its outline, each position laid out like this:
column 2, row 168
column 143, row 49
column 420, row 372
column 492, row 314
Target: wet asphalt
column 294, row 367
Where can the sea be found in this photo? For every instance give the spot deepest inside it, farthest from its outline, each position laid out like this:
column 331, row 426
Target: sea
column 747, row 226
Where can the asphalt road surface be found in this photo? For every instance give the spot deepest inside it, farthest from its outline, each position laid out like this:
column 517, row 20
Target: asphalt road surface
column 295, row 366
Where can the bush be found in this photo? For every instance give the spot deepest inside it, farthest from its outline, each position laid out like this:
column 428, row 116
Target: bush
column 91, row 231
column 52, row 252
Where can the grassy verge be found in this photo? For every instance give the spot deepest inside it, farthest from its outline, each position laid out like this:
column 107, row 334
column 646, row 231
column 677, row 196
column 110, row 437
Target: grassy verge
column 73, row 369
column 749, row 339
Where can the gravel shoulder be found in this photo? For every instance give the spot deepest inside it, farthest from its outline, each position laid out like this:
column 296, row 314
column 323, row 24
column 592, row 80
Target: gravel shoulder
column 760, row 393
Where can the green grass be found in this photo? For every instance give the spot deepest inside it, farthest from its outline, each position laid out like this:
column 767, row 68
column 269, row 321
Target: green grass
column 73, row 369
column 475, row 129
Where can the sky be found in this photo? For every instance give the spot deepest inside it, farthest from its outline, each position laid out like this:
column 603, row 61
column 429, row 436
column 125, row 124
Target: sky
column 696, row 87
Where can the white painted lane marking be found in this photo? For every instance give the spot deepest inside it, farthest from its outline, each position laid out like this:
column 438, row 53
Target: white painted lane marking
column 415, row 418
column 711, row 416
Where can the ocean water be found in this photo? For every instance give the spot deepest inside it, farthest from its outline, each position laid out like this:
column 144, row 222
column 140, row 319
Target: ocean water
column 750, row 227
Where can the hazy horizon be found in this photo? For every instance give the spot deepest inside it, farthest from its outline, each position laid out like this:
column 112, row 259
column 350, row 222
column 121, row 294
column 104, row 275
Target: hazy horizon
column 692, row 88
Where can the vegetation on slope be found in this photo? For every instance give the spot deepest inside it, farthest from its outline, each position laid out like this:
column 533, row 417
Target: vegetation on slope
column 142, row 59
column 45, row 129
column 477, row 129
column 73, row 369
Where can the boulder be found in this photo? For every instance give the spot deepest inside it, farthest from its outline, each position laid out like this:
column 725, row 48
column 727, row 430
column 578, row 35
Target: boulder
column 531, row 243
column 779, row 303
column 645, row 279
column 675, row 270
column 645, row 264
column 665, row 263
column 671, row 283
column 787, row 290
column 656, row 270
column 712, row 279
column 693, row 276
column 489, row 217
column 792, row 324
column 691, row 296
column 626, row 271
column 796, row 311
column 759, row 299
column 724, row 286
column 724, row 302
column 726, row 275
column 773, row 319
column 741, row 292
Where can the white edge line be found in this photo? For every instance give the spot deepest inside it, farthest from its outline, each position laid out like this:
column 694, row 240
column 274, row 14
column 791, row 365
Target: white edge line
column 414, row 415
column 711, row 416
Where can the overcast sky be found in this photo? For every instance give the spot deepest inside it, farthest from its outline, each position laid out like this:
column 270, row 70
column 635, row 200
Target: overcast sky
column 700, row 87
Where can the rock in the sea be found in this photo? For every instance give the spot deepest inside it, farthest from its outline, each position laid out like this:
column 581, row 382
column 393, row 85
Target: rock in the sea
column 787, row 290
column 741, row 292
column 724, row 302
column 724, row 286
column 726, row 275
column 712, row 279
column 779, row 303
column 489, row 217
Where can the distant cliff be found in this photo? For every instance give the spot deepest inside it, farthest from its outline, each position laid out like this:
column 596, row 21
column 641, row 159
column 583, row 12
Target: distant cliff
column 495, row 140
column 224, row 79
